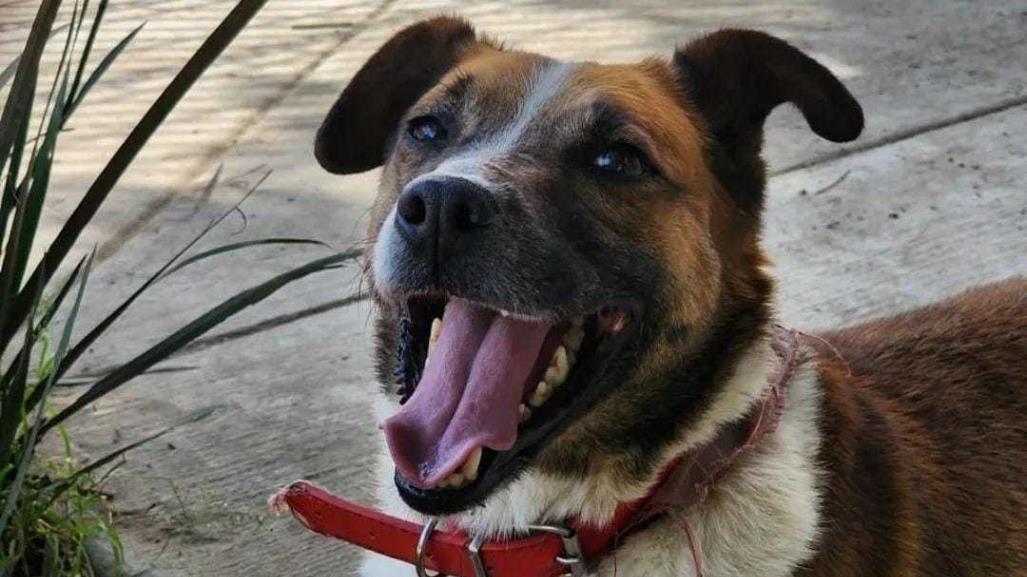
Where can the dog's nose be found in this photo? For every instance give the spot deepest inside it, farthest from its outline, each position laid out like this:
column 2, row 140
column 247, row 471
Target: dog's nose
column 439, row 213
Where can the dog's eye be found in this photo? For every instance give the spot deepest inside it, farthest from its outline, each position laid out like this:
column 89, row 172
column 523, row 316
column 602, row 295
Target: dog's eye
column 621, row 160
column 426, row 129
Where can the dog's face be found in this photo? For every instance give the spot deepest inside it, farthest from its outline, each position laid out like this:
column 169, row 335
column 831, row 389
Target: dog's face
column 563, row 253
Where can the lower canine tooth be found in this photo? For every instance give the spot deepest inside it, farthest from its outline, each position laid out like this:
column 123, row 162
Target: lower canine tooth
column 540, row 395
column 470, row 466
column 433, row 337
column 436, row 330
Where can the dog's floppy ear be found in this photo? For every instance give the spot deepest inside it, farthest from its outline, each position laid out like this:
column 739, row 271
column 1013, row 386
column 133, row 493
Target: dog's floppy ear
column 736, row 77
column 356, row 131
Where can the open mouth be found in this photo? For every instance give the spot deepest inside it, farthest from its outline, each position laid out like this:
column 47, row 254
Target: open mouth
column 484, row 390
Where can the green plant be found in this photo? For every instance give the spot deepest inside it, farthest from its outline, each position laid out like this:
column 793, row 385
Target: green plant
column 48, row 509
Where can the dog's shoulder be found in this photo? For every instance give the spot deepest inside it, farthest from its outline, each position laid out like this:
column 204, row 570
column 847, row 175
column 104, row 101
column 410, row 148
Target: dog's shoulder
column 926, row 409
column 969, row 350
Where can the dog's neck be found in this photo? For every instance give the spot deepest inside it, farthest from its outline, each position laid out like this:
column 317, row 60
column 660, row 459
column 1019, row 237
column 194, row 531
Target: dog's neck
column 775, row 483
column 747, row 372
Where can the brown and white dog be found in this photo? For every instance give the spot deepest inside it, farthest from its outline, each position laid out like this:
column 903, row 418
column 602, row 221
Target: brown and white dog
column 588, row 238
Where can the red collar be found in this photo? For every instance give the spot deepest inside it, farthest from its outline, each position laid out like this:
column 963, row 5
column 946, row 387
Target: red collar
column 548, row 551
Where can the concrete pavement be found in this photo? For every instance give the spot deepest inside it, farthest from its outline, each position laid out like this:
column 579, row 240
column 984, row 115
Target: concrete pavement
column 933, row 198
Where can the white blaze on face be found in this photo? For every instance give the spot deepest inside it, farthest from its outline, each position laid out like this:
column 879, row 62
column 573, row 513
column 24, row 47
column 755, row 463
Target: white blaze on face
column 469, row 164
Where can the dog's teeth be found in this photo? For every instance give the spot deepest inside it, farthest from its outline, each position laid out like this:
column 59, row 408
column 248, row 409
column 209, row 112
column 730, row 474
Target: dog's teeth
column 433, row 337
column 559, row 367
column 453, row 481
column 523, row 413
column 552, row 377
column 573, row 338
column 436, row 330
column 470, row 467
column 541, row 394
column 504, row 313
column 562, row 363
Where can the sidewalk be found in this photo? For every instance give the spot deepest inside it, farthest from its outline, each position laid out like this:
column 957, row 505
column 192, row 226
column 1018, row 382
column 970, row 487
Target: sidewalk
column 932, row 199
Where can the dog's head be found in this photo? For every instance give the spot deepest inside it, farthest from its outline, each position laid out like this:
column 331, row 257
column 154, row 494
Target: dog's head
column 575, row 245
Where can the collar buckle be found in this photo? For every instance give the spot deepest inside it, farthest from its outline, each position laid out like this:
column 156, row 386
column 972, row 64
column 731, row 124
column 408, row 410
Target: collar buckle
column 572, row 557
column 422, row 546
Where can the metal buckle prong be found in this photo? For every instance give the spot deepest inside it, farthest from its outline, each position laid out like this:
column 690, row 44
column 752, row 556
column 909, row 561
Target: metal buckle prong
column 572, row 558
column 474, row 552
column 422, row 546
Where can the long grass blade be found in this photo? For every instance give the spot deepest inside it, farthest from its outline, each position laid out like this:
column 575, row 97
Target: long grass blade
column 24, row 86
column 103, row 325
column 8, row 264
column 194, row 329
column 25, row 353
column 8, row 72
column 28, row 441
column 43, row 321
column 97, row 193
column 29, row 207
column 95, row 75
column 78, row 30
column 13, row 387
column 59, row 487
column 13, row 124
column 41, row 164
column 13, row 488
column 231, row 247
column 10, row 195
column 87, row 50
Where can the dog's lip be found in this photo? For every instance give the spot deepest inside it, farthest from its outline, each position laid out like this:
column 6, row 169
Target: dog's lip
column 498, row 468
column 539, row 315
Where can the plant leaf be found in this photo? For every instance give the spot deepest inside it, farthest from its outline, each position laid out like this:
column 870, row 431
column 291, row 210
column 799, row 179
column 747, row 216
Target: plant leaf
column 28, row 443
column 75, row 99
column 97, row 193
column 103, row 325
column 12, row 386
column 23, row 89
column 10, row 194
column 237, row 246
column 8, row 72
column 194, row 329
column 41, row 163
column 45, row 319
column 101, row 9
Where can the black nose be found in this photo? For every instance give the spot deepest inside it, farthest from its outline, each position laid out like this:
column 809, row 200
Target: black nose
column 440, row 214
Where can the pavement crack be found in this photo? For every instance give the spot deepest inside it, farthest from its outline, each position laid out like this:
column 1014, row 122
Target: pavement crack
column 905, row 134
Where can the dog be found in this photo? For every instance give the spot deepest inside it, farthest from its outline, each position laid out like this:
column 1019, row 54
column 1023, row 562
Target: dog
column 571, row 295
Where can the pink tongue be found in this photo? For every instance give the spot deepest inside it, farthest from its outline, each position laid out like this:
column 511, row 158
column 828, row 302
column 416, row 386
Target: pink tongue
column 469, row 394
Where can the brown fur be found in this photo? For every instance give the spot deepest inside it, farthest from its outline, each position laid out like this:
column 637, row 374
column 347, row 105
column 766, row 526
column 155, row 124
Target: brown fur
column 926, row 442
